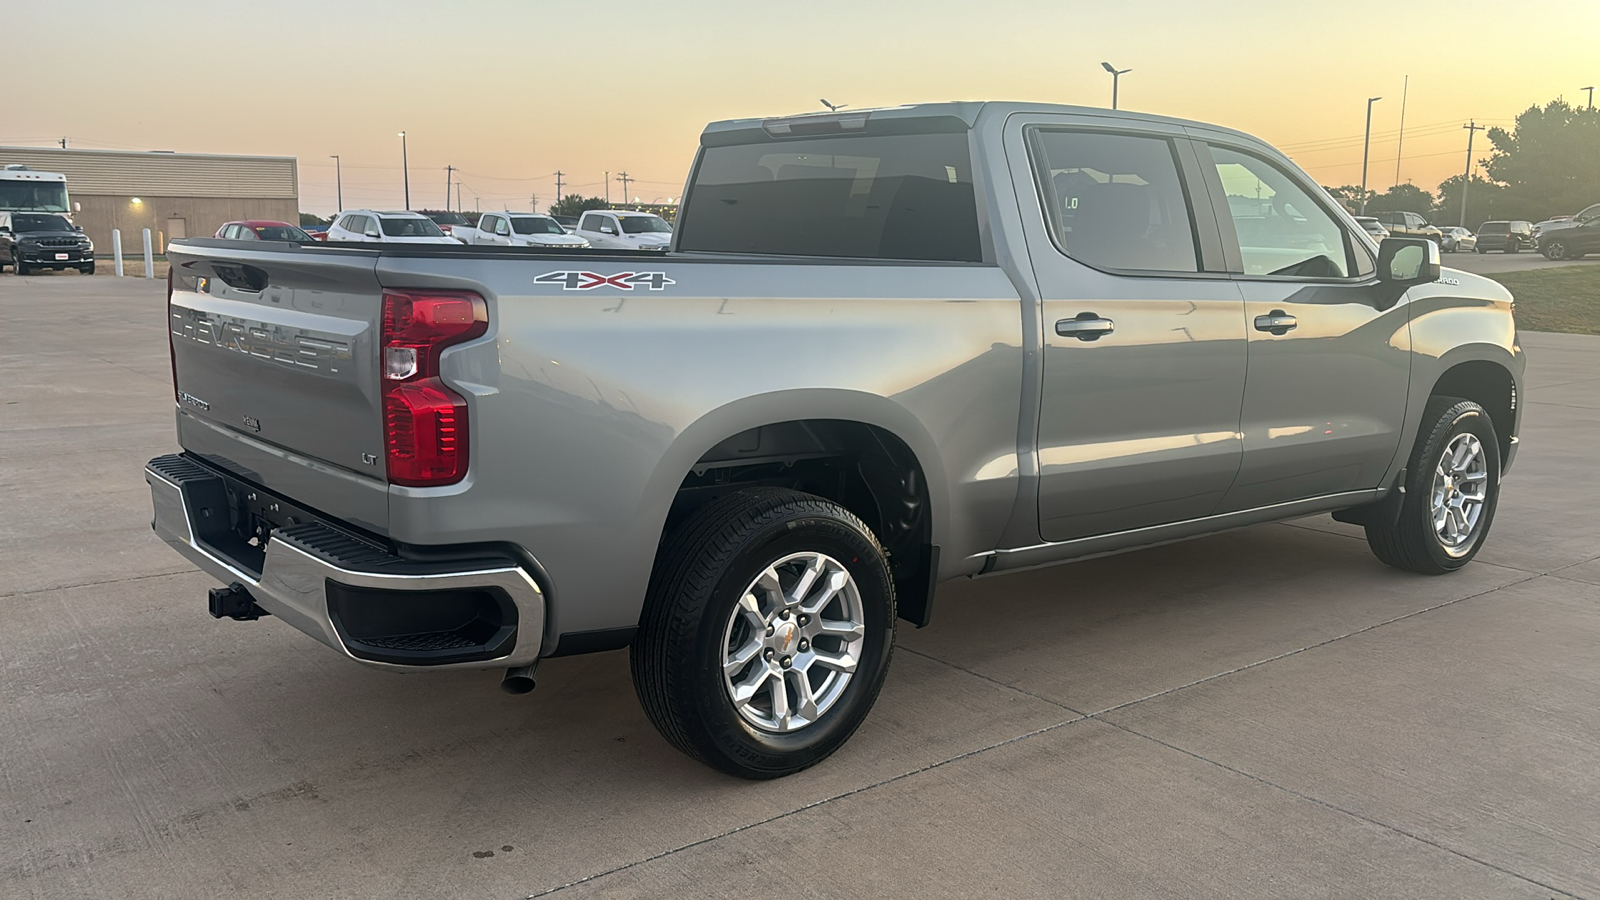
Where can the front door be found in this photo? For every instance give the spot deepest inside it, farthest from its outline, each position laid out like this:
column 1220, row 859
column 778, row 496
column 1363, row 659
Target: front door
column 177, row 229
column 1330, row 356
column 1144, row 349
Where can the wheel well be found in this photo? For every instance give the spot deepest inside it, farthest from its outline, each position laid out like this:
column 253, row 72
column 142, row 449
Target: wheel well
column 1490, row 386
column 864, row 468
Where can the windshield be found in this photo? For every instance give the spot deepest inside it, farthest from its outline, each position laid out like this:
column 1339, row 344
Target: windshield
column 39, row 223
column 42, row 196
column 447, row 218
column 644, row 225
column 409, row 226
column 280, row 233
column 535, row 225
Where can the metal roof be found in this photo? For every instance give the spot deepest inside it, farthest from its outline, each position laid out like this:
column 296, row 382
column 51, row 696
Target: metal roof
column 162, row 174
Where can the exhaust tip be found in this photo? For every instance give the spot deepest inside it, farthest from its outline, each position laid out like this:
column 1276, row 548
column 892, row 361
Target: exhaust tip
column 519, row 679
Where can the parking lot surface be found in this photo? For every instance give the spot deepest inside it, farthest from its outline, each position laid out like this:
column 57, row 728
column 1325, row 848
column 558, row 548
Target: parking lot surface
column 1265, row 713
column 1496, row 262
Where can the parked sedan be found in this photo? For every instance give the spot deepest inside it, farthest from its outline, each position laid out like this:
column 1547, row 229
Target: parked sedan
column 1512, row 237
column 1455, row 238
column 1373, row 227
column 258, row 230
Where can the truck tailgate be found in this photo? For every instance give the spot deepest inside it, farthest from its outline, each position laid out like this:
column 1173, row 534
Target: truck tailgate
column 275, row 361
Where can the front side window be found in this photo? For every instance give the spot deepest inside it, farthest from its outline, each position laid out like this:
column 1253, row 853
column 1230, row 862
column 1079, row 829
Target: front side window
column 1115, row 201
column 1281, row 230
column 866, row 196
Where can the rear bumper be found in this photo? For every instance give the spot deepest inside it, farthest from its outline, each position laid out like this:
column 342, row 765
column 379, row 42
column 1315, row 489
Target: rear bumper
column 311, row 571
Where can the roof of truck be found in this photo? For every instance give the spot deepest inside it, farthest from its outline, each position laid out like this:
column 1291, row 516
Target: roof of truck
column 964, row 112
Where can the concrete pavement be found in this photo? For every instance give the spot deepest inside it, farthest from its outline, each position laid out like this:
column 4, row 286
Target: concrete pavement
column 1265, row 713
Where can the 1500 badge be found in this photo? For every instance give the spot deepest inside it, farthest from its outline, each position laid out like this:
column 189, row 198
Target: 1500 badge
column 583, row 281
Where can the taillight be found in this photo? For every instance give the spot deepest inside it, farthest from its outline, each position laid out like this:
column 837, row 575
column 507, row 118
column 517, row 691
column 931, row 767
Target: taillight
column 424, row 422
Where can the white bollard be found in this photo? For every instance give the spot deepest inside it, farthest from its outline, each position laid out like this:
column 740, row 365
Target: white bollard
column 116, row 249
column 149, row 261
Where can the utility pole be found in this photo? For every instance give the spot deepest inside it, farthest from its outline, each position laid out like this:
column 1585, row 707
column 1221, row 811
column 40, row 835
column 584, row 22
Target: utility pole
column 405, row 168
column 1466, row 180
column 1402, row 146
column 1591, row 97
column 448, row 171
column 608, row 189
column 1590, row 89
column 533, row 203
column 458, row 197
column 624, row 178
column 1366, row 145
column 338, row 180
column 559, row 175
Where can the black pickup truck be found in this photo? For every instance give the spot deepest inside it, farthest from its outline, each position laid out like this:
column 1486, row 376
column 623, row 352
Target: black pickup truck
column 31, row 241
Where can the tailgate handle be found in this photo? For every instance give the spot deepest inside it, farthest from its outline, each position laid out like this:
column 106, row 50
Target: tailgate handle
column 242, row 277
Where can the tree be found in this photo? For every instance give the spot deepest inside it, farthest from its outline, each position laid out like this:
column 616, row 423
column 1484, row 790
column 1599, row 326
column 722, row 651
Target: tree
column 1549, row 162
column 1402, row 198
column 1485, row 202
column 307, row 219
column 576, row 204
column 1349, row 196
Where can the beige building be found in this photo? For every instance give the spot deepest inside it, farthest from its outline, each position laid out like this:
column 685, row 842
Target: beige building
column 172, row 194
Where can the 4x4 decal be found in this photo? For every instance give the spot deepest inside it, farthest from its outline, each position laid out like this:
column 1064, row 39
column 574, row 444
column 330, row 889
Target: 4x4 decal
column 583, row 281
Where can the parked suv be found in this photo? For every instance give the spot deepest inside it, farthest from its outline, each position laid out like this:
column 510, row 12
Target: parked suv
column 30, row 241
column 1409, row 224
column 888, row 348
column 1572, row 238
column 365, row 225
column 1512, row 237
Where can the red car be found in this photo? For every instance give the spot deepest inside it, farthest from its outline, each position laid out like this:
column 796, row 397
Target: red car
column 262, row 230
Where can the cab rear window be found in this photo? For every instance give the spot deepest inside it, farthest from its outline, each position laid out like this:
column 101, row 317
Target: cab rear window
column 901, row 196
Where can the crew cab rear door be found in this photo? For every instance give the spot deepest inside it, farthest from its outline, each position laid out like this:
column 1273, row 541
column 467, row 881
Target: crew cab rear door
column 274, row 354
column 1144, row 335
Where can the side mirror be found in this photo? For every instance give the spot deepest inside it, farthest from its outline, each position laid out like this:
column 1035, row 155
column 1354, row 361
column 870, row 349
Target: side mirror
column 1408, row 261
column 373, row 233
column 77, row 228
column 607, row 229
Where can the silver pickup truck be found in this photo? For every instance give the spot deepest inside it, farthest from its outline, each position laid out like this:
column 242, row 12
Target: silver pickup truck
column 887, row 348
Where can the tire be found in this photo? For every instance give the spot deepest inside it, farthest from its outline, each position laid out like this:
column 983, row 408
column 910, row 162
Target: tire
column 695, row 619
column 1513, row 247
column 20, row 267
column 1480, row 250
column 1556, row 251
column 87, row 270
column 1411, row 540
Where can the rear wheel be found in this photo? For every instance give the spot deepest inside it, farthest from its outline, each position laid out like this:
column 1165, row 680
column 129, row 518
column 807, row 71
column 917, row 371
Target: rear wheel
column 1513, row 247
column 766, row 634
column 1452, row 486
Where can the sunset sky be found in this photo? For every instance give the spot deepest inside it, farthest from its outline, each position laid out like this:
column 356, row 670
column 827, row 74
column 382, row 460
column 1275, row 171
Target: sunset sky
column 510, row 92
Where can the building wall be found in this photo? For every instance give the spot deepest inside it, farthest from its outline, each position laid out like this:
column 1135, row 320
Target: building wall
column 201, row 216
column 203, row 190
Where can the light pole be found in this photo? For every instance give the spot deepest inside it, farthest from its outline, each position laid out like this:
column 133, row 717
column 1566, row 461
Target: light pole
column 338, row 180
column 1116, row 76
column 405, row 168
column 1366, row 145
column 1590, row 89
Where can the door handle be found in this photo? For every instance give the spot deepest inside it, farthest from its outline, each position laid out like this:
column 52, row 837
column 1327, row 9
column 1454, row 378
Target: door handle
column 1277, row 322
column 1086, row 327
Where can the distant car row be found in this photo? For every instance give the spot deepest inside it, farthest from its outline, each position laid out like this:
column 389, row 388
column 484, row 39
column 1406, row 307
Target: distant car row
column 608, row 229
column 1564, row 237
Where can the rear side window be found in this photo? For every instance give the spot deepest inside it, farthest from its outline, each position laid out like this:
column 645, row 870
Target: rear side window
column 591, row 222
column 1281, row 228
column 1494, row 228
column 408, row 226
column 1115, row 201
column 902, row 196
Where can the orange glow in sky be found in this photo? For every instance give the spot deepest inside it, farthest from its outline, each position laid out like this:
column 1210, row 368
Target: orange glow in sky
column 508, row 93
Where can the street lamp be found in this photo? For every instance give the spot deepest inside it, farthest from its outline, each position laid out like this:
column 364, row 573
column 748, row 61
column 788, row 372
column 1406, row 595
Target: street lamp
column 1366, row 144
column 1590, row 89
column 1116, row 76
column 338, row 179
column 405, row 168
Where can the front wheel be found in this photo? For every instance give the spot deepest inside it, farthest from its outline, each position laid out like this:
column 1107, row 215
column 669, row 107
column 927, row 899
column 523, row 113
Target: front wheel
column 1452, row 486
column 87, row 270
column 766, row 634
column 17, row 265
column 1555, row 250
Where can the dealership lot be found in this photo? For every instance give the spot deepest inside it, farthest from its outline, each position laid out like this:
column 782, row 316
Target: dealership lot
column 1269, row 712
